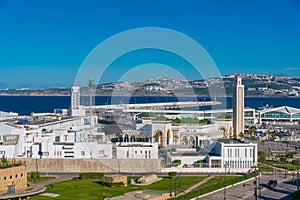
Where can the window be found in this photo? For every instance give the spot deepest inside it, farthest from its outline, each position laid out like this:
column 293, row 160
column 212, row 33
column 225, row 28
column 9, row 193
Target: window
column 145, row 154
column 149, row 154
column 10, row 177
column 245, row 152
column 21, row 174
column 127, row 154
column 82, row 153
column 2, row 152
column 66, row 137
column 46, row 153
column 16, row 175
column 57, row 139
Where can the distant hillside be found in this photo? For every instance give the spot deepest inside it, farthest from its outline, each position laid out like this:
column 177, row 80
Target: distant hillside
column 255, row 85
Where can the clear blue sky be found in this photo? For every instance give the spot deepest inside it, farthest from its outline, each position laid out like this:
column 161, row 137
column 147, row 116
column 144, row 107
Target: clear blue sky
column 43, row 43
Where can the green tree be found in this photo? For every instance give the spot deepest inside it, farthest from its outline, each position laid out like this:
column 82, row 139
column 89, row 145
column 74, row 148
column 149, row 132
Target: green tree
column 35, row 176
column 172, row 175
column 261, row 157
column 280, row 136
column 282, row 159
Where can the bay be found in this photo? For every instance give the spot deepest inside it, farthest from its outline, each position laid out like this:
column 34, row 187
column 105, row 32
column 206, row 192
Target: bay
column 25, row 105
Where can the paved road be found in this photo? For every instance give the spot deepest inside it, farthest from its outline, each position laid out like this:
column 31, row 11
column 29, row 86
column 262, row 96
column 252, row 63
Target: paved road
column 245, row 191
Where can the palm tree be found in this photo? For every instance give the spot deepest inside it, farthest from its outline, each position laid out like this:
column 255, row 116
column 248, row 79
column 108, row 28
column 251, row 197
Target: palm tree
column 251, row 130
column 269, row 133
column 241, row 135
column 273, row 136
column 280, row 136
column 119, row 136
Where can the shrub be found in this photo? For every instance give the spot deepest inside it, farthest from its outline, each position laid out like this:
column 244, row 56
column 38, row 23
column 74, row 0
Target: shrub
column 282, row 159
column 178, row 162
column 289, row 155
column 111, row 185
column 172, row 174
column 91, row 175
column 295, row 162
column 35, row 176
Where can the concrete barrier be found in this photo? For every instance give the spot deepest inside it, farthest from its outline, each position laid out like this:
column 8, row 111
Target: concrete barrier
column 205, row 170
column 92, row 165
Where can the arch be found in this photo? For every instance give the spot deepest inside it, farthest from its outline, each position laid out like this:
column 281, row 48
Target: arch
column 223, row 130
column 168, row 136
column 159, row 137
column 126, row 138
column 184, row 140
column 192, row 141
column 132, row 138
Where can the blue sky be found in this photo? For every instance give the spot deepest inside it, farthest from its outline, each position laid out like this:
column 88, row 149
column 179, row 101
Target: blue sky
column 43, row 43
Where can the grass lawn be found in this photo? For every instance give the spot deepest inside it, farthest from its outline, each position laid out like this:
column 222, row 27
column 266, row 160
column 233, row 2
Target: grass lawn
column 264, row 168
column 288, row 166
column 213, row 184
column 41, row 179
column 90, row 189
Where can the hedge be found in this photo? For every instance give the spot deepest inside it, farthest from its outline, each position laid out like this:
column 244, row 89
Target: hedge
column 111, row 185
column 91, row 175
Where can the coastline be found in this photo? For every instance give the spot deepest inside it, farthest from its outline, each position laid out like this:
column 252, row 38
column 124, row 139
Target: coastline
column 145, row 95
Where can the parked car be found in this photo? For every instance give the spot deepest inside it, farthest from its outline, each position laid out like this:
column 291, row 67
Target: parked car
column 187, row 166
column 272, row 183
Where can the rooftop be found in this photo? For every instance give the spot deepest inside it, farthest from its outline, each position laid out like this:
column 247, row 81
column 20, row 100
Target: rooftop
column 230, row 141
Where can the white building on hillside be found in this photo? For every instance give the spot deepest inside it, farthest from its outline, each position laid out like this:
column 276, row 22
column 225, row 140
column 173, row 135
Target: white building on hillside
column 12, row 141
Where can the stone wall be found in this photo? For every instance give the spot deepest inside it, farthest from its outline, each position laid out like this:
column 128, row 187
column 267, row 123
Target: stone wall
column 116, row 179
column 13, row 176
column 92, row 165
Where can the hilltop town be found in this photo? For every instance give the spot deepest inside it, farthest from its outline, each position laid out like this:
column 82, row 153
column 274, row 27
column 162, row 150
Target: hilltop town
column 255, row 85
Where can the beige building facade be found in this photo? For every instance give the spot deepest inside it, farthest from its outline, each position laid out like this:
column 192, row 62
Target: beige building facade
column 13, row 180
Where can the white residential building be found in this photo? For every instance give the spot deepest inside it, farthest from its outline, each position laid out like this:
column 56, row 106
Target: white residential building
column 233, row 154
column 137, row 150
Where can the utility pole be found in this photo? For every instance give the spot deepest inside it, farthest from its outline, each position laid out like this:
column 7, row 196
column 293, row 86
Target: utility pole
column 298, row 177
column 175, row 188
column 91, row 85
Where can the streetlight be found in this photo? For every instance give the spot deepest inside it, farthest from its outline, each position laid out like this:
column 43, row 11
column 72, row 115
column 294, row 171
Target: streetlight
column 225, row 165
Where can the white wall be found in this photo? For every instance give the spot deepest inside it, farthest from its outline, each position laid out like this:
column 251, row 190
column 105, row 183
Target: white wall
column 137, row 150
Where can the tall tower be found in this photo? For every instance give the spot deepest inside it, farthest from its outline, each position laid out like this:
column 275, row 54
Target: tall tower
column 238, row 108
column 76, row 109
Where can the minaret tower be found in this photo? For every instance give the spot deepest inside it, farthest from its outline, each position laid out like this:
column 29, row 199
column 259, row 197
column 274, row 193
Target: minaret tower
column 238, row 108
